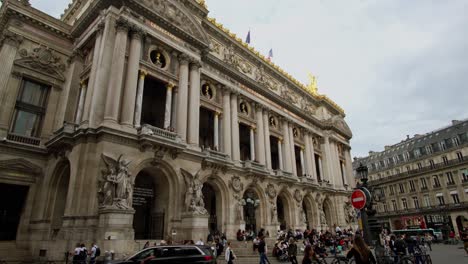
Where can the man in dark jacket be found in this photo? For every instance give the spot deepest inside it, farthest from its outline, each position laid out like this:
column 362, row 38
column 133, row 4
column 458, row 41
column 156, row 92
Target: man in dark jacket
column 262, row 251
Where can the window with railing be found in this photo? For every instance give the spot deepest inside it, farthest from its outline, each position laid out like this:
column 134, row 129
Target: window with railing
column 450, row 180
column 440, row 200
column 419, row 166
column 385, row 206
column 431, row 164
column 408, row 168
column 429, row 149
column 435, row 147
column 455, row 198
column 412, row 186
column 416, row 202
column 392, row 190
column 404, row 203
column 402, row 188
column 460, row 156
column 443, row 146
column 423, row 184
column 29, row 112
column 456, row 141
column 394, row 204
column 445, row 160
column 427, row 201
column 464, row 174
column 436, row 181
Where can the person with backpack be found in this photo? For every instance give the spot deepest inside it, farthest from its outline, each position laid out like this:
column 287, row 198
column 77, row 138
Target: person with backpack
column 83, row 254
column 361, row 252
column 95, row 252
column 229, row 255
column 77, row 254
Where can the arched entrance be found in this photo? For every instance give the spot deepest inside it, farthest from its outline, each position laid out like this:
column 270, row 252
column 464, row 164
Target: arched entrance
column 284, row 212
column 213, row 206
column 58, row 195
column 150, row 201
column 252, row 215
column 310, row 211
column 328, row 211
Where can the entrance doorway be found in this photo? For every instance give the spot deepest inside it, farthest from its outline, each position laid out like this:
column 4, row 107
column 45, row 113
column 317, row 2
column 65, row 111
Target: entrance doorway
column 206, row 132
column 274, row 153
column 209, row 198
column 244, row 141
column 12, row 198
column 251, row 214
column 154, row 103
column 150, row 201
column 281, row 213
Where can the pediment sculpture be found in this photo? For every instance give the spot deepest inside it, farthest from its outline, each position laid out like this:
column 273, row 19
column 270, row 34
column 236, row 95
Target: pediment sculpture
column 44, row 60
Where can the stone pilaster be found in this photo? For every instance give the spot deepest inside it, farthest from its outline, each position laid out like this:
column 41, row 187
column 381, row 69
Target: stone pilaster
column 194, row 104
column 226, row 126
column 93, row 75
column 266, row 128
column 260, row 136
column 114, row 90
column 287, row 147
column 280, row 154
column 9, row 48
column 139, row 99
column 216, row 130
column 235, row 128
column 182, row 100
column 252, row 144
column 131, row 82
column 79, row 111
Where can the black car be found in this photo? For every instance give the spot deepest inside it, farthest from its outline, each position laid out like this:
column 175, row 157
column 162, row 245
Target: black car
column 172, row 255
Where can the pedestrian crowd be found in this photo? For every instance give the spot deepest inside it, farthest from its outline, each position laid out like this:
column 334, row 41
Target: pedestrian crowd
column 81, row 254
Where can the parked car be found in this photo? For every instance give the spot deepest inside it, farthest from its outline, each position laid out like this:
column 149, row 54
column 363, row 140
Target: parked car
column 177, row 254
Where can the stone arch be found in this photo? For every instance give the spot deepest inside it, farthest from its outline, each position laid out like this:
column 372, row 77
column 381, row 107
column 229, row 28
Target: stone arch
column 289, row 209
column 222, row 201
column 58, row 194
column 328, row 209
column 311, row 209
column 261, row 211
column 159, row 185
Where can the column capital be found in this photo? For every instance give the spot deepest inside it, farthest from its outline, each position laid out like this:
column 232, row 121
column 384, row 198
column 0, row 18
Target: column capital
column 280, row 140
column 195, row 64
column 217, row 113
column 77, row 55
column 137, row 32
column 122, row 24
column 143, row 74
column 184, row 58
column 258, row 106
column 170, row 85
column 100, row 27
column 12, row 39
column 83, row 84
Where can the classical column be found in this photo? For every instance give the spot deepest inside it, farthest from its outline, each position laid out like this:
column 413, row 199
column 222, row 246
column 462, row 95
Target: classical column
column 226, row 126
column 168, row 109
column 175, row 96
column 292, row 150
column 252, row 144
column 11, row 42
column 280, row 153
column 131, row 82
column 260, row 147
column 234, row 128
column 308, row 160
column 71, row 94
column 287, row 147
column 266, row 128
column 79, row 111
column 303, row 168
column 313, row 170
column 92, row 77
column 182, row 100
column 343, row 170
column 139, row 99
column 216, row 131
column 114, row 90
column 194, row 104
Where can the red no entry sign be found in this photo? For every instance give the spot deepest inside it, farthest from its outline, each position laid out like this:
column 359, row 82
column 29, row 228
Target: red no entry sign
column 358, row 199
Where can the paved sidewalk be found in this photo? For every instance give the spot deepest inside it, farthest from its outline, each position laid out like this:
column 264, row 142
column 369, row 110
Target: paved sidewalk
column 448, row 254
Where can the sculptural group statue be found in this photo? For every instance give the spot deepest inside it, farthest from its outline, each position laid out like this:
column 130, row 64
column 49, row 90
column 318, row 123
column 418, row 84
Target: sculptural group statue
column 116, row 186
column 323, row 219
column 350, row 213
column 274, row 212
column 194, row 196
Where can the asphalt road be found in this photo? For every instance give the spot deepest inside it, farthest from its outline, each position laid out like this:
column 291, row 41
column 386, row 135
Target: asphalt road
column 448, row 254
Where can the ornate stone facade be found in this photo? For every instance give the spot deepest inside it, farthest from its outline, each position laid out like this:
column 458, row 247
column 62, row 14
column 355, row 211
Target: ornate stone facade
column 146, row 121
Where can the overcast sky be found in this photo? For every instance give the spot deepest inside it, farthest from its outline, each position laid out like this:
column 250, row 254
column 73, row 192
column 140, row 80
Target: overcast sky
column 397, row 67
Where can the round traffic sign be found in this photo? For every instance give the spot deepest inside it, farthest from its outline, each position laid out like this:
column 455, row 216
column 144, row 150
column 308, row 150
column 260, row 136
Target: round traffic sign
column 358, row 199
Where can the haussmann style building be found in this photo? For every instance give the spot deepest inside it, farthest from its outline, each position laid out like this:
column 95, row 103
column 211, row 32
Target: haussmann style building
column 127, row 121
column 423, row 180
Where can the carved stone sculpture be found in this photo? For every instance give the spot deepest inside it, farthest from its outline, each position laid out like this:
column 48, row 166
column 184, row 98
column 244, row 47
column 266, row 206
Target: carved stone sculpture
column 274, row 212
column 351, row 214
column 116, row 187
column 323, row 219
column 194, row 196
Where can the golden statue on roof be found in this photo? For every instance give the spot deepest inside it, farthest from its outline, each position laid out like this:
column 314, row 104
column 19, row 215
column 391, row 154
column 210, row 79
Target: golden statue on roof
column 202, row 3
column 312, row 87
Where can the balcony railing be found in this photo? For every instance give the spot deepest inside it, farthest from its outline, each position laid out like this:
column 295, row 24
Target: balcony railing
column 24, row 140
column 417, row 171
column 155, row 131
column 426, row 209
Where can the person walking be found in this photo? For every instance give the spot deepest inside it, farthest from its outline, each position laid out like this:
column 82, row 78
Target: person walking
column 262, row 249
column 465, row 241
column 308, row 255
column 292, row 251
column 361, row 252
column 229, row 255
column 77, row 254
column 95, row 252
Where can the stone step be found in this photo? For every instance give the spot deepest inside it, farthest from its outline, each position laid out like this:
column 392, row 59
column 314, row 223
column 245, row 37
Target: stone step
column 251, row 260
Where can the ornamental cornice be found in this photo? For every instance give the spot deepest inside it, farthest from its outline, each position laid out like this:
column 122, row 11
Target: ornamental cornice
column 11, row 38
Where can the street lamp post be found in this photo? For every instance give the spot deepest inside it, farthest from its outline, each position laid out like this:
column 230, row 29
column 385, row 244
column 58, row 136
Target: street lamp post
column 362, row 172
